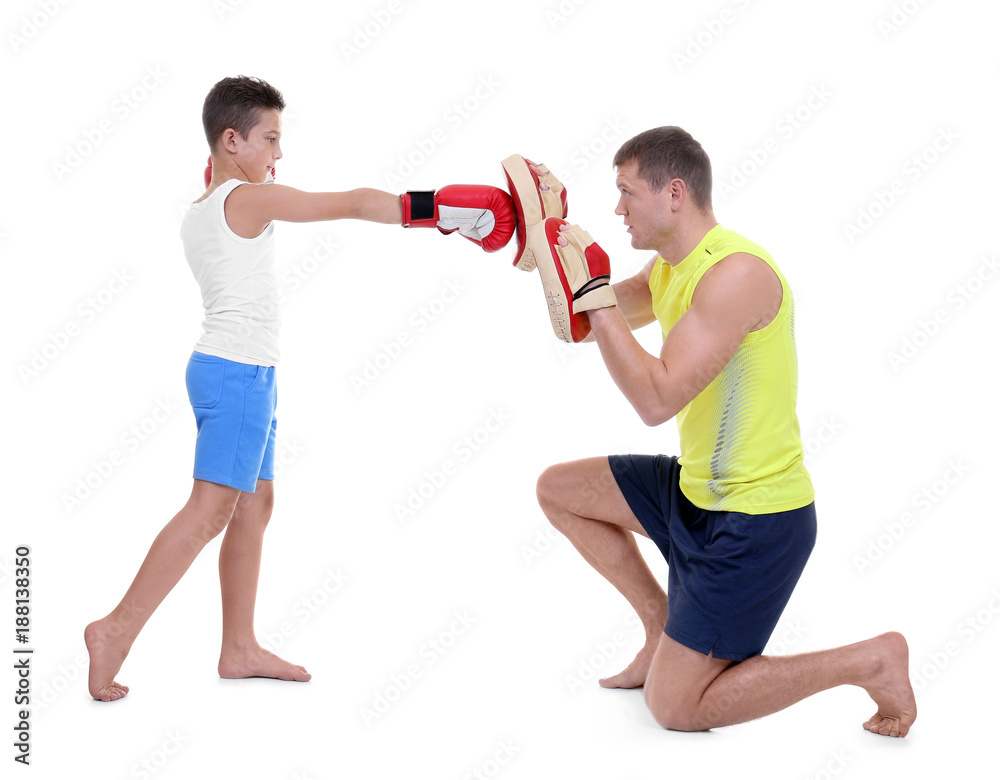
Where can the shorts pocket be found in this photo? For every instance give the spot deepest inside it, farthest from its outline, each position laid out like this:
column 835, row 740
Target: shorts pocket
column 250, row 375
column 732, row 536
column 204, row 379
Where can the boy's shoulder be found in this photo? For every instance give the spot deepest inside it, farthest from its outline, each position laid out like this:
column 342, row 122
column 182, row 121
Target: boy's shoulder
column 226, row 187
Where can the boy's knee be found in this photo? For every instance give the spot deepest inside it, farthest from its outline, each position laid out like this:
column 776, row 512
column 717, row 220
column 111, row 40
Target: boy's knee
column 256, row 507
column 215, row 522
column 212, row 512
column 265, row 498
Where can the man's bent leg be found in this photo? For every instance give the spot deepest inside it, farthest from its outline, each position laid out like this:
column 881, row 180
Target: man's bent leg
column 239, row 571
column 583, row 501
column 689, row 691
column 109, row 639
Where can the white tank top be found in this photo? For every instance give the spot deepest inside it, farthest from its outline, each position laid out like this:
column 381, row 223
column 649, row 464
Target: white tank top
column 239, row 287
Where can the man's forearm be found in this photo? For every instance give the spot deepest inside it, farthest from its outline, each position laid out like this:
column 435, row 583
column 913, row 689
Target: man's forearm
column 641, row 377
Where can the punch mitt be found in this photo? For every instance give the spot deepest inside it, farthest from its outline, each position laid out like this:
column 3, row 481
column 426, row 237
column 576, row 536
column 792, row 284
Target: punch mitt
column 531, row 203
column 575, row 278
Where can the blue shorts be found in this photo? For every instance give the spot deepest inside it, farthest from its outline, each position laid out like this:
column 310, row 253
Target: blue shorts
column 730, row 574
column 234, row 405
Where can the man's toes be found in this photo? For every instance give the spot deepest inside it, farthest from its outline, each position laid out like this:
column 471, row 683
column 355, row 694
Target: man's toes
column 873, row 723
column 886, row 727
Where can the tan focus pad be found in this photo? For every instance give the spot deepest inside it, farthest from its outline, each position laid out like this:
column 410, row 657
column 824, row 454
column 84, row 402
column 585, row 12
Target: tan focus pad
column 565, row 271
column 531, row 204
column 579, row 271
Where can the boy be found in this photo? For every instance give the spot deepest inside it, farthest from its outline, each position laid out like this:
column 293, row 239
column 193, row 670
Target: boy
column 228, row 242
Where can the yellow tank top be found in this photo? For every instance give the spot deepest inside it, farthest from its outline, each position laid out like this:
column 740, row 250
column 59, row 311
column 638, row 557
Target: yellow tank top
column 741, row 450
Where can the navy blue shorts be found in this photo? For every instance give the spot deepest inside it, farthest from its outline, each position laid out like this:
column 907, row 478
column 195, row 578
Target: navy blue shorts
column 234, row 407
column 730, row 574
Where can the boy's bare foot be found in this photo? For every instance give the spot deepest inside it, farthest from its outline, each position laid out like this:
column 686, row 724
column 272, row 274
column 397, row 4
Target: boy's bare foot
column 890, row 688
column 258, row 662
column 106, row 658
column 634, row 675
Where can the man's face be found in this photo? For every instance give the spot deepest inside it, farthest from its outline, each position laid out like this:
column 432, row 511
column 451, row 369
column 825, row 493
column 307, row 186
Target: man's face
column 261, row 149
column 647, row 214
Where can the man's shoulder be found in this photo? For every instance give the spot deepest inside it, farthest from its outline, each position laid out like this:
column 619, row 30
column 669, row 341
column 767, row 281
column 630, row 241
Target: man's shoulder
column 727, row 242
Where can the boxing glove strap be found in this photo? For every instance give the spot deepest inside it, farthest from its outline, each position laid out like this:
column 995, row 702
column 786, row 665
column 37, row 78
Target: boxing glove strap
column 421, row 205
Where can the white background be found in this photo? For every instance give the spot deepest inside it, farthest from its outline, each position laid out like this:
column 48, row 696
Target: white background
column 104, row 149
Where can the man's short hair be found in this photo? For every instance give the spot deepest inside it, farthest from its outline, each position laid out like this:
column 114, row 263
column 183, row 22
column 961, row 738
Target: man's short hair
column 237, row 102
column 666, row 153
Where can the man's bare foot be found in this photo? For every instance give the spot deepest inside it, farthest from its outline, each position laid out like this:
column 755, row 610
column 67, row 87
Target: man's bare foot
column 890, row 688
column 634, row 675
column 258, row 662
column 106, row 659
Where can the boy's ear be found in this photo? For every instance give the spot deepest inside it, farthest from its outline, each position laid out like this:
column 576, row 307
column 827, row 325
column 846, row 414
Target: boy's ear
column 228, row 139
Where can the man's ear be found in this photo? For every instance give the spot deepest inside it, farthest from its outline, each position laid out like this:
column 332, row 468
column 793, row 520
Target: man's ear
column 678, row 192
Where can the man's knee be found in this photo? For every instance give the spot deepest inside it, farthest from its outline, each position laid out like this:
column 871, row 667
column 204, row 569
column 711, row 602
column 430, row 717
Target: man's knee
column 669, row 713
column 551, row 491
column 544, row 487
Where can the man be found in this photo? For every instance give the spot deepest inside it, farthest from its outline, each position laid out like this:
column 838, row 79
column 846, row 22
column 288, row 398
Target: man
column 734, row 515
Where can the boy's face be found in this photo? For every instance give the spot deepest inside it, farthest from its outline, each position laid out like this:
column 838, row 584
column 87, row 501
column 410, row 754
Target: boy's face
column 261, row 149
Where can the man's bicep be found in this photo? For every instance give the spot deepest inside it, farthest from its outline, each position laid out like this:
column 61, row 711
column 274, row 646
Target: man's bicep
column 694, row 352
column 704, row 340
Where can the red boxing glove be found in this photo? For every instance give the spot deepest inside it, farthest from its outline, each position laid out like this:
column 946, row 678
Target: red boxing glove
column 483, row 214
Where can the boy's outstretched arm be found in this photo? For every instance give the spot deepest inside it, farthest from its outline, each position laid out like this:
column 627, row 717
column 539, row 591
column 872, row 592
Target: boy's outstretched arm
column 261, row 205
column 482, row 214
